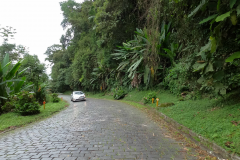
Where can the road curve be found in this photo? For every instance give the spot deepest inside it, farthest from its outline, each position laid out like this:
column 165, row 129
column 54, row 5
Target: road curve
column 92, row 129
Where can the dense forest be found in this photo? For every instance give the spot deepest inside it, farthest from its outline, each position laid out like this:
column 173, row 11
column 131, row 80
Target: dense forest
column 180, row 45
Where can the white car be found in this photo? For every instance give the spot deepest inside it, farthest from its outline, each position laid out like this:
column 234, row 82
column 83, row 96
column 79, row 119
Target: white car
column 78, row 96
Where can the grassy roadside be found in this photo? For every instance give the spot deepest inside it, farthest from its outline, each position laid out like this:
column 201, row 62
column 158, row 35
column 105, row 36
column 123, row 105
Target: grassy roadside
column 216, row 119
column 14, row 120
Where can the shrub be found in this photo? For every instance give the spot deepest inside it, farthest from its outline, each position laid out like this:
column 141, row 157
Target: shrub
column 8, row 106
column 148, row 98
column 176, row 79
column 55, row 98
column 119, row 94
column 25, row 103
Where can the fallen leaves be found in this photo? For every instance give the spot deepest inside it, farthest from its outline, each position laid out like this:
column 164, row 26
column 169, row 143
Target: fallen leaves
column 228, row 144
column 235, row 122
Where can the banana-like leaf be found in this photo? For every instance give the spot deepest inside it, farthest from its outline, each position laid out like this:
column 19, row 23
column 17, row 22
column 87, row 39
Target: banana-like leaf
column 223, row 16
column 27, row 86
column 23, row 71
column 4, row 64
column 12, row 80
column 19, row 85
column 7, row 65
column 208, row 19
column 12, row 72
column 235, row 55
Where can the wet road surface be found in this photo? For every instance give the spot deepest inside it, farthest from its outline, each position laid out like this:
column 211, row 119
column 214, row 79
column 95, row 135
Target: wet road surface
column 92, row 129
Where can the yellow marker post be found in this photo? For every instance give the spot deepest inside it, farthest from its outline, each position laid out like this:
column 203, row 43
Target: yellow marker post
column 152, row 100
column 157, row 102
column 44, row 104
column 61, row 99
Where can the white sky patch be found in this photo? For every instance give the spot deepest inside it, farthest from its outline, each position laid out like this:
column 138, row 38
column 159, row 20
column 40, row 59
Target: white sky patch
column 37, row 23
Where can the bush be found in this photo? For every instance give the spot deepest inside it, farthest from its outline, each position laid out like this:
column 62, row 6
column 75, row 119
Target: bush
column 177, row 79
column 25, row 103
column 8, row 106
column 148, row 98
column 119, row 94
column 55, row 98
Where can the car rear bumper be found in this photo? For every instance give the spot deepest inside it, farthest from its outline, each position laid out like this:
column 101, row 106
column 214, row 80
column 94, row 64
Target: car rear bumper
column 80, row 99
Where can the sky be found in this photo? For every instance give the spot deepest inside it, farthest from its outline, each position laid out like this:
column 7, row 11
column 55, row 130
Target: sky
column 37, row 23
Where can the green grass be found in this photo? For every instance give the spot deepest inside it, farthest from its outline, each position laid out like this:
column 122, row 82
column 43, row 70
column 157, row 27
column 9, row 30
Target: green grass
column 211, row 118
column 16, row 120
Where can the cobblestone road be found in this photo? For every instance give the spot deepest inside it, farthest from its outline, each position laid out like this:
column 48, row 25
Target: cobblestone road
column 92, row 129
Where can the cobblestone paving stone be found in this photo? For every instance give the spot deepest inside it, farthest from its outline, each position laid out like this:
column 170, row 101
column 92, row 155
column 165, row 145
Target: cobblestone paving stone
column 92, row 129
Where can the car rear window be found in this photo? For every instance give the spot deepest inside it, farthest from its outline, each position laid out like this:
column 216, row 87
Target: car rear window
column 78, row 92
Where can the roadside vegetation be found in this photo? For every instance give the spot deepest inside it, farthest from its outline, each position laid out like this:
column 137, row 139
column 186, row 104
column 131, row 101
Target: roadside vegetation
column 23, row 86
column 12, row 120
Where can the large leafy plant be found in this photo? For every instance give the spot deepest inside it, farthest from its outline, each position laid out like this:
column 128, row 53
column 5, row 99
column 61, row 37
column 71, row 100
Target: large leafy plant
column 9, row 81
column 26, row 104
column 131, row 54
column 215, row 74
